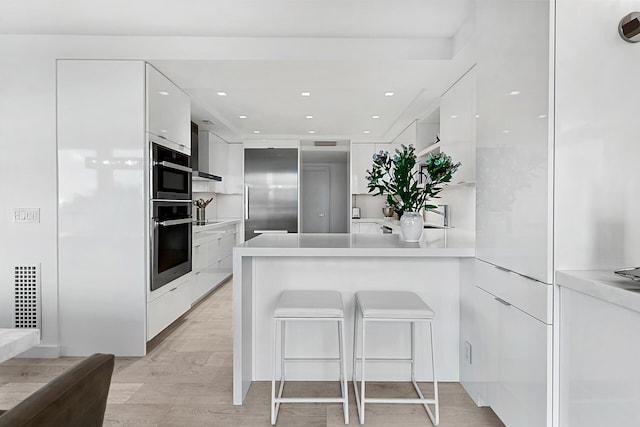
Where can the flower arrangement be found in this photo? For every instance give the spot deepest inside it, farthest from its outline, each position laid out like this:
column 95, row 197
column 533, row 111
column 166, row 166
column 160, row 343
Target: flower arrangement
column 407, row 188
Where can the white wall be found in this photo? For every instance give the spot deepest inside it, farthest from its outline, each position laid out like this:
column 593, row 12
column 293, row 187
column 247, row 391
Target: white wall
column 597, row 216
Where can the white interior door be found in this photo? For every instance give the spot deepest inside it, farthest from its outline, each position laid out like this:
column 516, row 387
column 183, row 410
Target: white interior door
column 316, row 184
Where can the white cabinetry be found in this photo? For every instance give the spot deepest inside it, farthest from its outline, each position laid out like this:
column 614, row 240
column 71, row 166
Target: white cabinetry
column 212, row 250
column 164, row 310
column 458, row 124
column 105, row 304
column 168, row 109
column 362, row 159
column 366, row 228
column 513, row 345
column 235, row 174
column 225, row 160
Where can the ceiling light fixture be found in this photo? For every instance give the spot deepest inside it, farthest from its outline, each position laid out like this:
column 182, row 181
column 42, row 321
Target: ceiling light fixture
column 309, row 117
column 506, row 131
column 256, row 131
column 454, row 117
column 367, row 131
column 162, row 92
column 388, row 94
column 477, row 116
column 514, row 92
column 375, row 117
column 222, row 93
column 542, row 116
column 312, row 131
column 306, row 94
column 243, row 117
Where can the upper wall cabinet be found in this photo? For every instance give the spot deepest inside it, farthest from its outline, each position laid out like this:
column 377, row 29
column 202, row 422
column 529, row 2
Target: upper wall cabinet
column 458, row 127
column 361, row 160
column 168, row 109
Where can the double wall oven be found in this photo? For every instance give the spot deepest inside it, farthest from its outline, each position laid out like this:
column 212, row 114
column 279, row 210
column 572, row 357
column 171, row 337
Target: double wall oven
column 171, row 214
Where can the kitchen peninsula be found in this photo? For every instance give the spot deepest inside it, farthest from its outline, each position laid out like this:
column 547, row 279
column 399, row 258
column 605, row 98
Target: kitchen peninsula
column 268, row 264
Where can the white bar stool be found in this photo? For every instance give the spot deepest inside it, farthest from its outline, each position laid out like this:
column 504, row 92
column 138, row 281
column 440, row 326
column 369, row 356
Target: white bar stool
column 393, row 306
column 307, row 306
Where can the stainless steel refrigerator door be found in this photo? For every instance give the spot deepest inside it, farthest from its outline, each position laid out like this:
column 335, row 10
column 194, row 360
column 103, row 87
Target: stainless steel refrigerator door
column 271, row 190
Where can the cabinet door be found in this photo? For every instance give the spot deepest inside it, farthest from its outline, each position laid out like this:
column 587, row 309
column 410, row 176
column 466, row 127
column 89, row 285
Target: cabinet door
column 235, row 175
column 370, row 228
column 168, row 109
column 218, row 162
column 457, row 126
column 519, row 394
column 361, row 160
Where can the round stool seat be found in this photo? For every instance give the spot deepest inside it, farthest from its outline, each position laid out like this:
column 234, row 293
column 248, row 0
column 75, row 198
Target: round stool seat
column 309, row 304
column 393, row 305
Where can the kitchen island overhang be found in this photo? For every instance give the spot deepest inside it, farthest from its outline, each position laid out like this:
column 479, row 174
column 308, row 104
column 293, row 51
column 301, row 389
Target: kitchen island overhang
column 268, row 264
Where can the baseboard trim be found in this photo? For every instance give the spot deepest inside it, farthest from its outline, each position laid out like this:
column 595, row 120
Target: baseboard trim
column 42, row 352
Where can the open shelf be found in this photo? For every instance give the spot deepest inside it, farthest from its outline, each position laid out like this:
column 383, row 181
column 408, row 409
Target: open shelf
column 429, row 149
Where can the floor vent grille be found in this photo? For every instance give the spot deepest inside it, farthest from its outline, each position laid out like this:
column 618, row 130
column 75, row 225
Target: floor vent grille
column 26, row 312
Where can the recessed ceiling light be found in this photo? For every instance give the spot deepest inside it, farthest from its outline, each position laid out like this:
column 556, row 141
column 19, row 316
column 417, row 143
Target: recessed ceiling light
column 454, row 117
column 256, row 131
column 506, row 131
column 309, row 117
column 514, row 92
column 367, row 131
column 306, row 94
column 477, row 116
column 243, row 117
column 163, row 131
column 162, row 92
column 388, row 94
column 222, row 93
column 542, row 116
column 375, row 117
column 312, row 131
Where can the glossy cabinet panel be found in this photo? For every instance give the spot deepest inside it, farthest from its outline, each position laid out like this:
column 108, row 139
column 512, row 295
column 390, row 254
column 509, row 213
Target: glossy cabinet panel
column 458, row 126
column 102, row 207
column 169, row 109
column 599, row 370
column 514, row 157
column 164, row 310
column 515, row 359
column 361, row 160
column 212, row 251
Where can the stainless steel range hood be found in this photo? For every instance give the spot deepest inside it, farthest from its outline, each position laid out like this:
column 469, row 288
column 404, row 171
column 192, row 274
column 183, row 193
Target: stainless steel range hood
column 200, row 158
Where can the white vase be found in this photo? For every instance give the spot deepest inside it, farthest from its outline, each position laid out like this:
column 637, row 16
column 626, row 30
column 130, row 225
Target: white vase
column 411, row 224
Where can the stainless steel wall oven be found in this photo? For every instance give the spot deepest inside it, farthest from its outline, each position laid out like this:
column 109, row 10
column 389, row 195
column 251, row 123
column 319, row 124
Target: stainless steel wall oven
column 171, row 223
column 171, row 174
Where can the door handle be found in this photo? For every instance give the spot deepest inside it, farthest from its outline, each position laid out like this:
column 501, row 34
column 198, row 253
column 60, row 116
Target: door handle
column 174, row 166
column 174, row 222
column 246, row 202
column 503, row 302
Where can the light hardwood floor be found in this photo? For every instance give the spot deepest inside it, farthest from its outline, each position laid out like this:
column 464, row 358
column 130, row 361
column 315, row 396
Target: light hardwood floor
column 185, row 380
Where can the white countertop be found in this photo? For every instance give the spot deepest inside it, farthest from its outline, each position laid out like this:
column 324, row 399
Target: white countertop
column 392, row 223
column 434, row 243
column 604, row 285
column 214, row 223
column 16, row 341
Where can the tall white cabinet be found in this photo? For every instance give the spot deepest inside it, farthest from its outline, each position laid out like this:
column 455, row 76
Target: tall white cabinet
column 107, row 111
column 507, row 303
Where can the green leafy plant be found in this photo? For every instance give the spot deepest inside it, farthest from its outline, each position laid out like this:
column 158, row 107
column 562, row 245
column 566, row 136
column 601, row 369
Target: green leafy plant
column 407, row 188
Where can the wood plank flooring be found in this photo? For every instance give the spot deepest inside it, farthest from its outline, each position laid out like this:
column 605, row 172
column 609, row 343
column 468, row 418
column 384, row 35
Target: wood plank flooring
column 185, row 380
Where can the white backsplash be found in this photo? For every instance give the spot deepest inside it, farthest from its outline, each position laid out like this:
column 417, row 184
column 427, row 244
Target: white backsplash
column 370, row 206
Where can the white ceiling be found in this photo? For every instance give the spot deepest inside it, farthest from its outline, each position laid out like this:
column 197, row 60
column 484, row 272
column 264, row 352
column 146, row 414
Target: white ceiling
column 349, row 53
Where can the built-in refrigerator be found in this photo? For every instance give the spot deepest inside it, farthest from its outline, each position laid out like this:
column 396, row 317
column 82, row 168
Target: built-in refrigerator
column 270, row 191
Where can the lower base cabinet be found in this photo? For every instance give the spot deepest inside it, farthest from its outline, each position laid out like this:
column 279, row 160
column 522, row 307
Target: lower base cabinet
column 513, row 350
column 165, row 309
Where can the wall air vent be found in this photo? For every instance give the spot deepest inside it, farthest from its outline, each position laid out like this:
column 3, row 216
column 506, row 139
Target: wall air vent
column 26, row 311
column 325, row 143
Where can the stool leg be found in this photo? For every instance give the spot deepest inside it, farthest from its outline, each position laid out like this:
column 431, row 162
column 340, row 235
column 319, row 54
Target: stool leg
column 413, row 351
column 362, row 380
column 435, row 381
column 354, row 376
column 273, row 373
column 343, row 372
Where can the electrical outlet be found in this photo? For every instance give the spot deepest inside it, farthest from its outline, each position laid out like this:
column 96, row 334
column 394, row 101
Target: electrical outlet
column 28, row 215
column 467, row 352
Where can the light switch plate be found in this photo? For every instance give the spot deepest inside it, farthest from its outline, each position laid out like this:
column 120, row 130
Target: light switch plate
column 467, row 352
column 26, row 215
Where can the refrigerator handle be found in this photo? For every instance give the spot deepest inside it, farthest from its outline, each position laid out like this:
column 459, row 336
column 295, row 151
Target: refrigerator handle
column 246, row 202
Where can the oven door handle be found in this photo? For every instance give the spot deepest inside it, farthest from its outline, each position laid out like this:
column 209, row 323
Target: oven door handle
column 174, row 222
column 174, row 166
